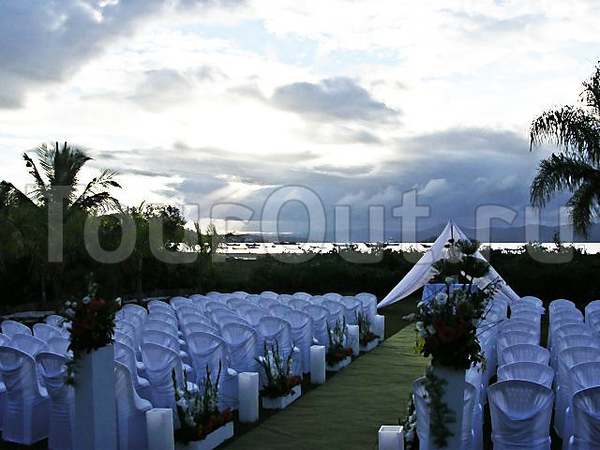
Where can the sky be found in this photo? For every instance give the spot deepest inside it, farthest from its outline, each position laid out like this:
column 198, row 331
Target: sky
column 257, row 110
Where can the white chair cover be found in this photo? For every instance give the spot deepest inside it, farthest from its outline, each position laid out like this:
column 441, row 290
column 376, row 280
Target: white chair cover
column 53, row 369
column 210, row 351
column 164, row 317
column 165, row 339
column 568, row 358
column 131, row 411
column 280, row 310
column 560, row 303
column 421, row 402
column 586, row 423
column 194, row 327
column 240, row 294
column 319, row 316
column 253, row 315
column 302, row 295
column 336, row 312
column 267, row 302
column 28, row 344
column 302, row 334
column 269, row 294
column 332, row 296
column 126, row 356
column 352, row 306
column 533, row 316
column 299, row 303
column 60, row 345
column 520, row 413
column 242, row 347
column 11, row 328
column 514, row 337
column 585, row 375
column 45, row 332
column 273, row 330
column 527, row 371
column 369, row 304
column 177, row 302
column 124, row 338
column 525, row 353
column 235, row 302
column 25, row 419
column 132, row 308
column 160, row 307
column 521, row 325
column 284, row 299
column 160, row 362
column 54, row 320
column 127, row 327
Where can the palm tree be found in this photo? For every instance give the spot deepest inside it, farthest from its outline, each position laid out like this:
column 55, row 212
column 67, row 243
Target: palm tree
column 576, row 168
column 27, row 215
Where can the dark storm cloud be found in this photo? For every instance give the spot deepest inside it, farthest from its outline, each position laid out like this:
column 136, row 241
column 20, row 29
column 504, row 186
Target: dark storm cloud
column 44, row 43
column 332, row 98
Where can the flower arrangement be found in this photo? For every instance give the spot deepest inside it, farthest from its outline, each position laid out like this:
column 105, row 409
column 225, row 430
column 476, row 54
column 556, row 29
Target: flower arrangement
column 337, row 351
column 279, row 380
column 364, row 326
column 198, row 414
column 409, row 426
column 446, row 325
column 92, row 323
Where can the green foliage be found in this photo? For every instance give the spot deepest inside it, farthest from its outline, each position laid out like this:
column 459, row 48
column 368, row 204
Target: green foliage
column 364, row 327
column 440, row 415
column 337, row 351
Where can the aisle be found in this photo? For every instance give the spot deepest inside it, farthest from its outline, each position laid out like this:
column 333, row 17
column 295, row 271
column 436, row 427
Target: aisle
column 347, row 411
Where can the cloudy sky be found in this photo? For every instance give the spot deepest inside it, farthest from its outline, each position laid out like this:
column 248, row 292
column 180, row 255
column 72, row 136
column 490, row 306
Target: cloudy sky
column 354, row 102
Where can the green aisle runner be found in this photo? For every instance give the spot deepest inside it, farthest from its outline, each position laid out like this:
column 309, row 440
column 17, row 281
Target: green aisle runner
column 346, row 412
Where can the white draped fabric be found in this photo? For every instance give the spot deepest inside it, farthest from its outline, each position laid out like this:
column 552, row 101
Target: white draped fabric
column 421, row 272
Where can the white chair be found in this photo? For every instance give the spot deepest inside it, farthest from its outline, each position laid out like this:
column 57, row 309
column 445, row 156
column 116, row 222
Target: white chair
column 126, row 355
column 352, row 306
column 525, row 353
column 284, row 299
column 167, row 340
column 60, row 345
column 275, row 331
column 421, row 401
column 302, row 295
column 165, row 327
column 533, row 316
column 280, row 310
column 25, row 419
column 269, row 294
column 216, row 306
column 302, row 335
column 10, row 328
column 515, row 337
column 369, row 304
column 240, row 294
column 242, row 347
column 560, row 303
column 520, row 413
column 54, row 320
column 336, row 312
column 521, row 326
column 46, row 332
column 319, row 316
column 53, row 369
column 195, row 327
column 235, row 302
column 333, row 296
column 209, row 353
column 568, row 358
column 527, row 371
column 267, row 302
column 586, row 424
column 160, row 362
column 177, row 302
column 585, row 375
column 131, row 411
column 132, row 308
column 298, row 303
column 254, row 315
column 164, row 317
column 28, row 344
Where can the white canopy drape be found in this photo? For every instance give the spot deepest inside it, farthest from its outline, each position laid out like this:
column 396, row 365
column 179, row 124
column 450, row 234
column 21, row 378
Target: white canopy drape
column 421, row 272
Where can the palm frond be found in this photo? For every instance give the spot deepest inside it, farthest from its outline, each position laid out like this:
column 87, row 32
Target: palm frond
column 99, row 202
column 584, row 205
column 573, row 129
column 41, row 191
column 591, row 91
column 11, row 196
column 559, row 172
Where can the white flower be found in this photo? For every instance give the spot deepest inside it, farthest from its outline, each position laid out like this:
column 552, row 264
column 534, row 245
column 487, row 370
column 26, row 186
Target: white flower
column 70, row 312
column 431, row 330
column 68, row 304
column 86, row 300
column 449, row 280
column 118, row 301
column 423, row 333
column 182, row 404
column 419, row 326
column 441, row 298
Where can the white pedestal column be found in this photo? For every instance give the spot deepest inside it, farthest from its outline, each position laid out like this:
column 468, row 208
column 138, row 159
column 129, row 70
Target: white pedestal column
column 378, row 326
column 248, row 393
column 95, row 420
column 317, row 364
column 353, row 339
column 159, row 426
column 391, row 437
column 454, row 398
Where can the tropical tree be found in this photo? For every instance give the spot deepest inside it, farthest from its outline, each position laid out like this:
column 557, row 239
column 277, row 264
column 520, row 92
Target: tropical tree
column 55, row 184
column 576, row 168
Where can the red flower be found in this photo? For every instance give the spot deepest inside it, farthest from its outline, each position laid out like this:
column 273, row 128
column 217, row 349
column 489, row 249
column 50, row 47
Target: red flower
column 96, row 305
